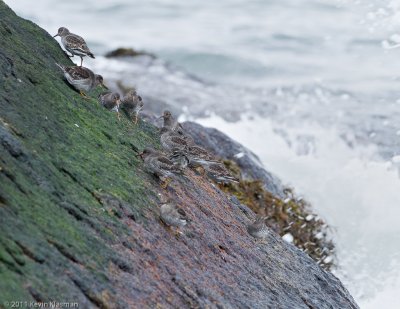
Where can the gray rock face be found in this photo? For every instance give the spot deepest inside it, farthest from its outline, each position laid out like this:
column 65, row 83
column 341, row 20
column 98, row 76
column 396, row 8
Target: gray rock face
column 225, row 147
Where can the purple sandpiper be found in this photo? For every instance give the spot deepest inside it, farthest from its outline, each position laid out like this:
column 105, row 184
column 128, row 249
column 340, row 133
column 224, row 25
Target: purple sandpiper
column 132, row 103
column 258, row 229
column 180, row 158
column 73, row 43
column 111, row 101
column 158, row 164
column 172, row 141
column 184, row 151
column 198, row 156
column 170, row 122
column 171, row 215
column 81, row 78
column 219, row 173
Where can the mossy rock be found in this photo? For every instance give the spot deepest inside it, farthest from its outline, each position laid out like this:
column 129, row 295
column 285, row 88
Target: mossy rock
column 79, row 215
column 57, row 151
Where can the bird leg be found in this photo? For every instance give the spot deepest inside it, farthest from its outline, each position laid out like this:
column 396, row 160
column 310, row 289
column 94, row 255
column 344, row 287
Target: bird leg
column 200, row 170
column 177, row 233
column 136, row 119
column 81, row 60
column 84, row 95
column 166, row 182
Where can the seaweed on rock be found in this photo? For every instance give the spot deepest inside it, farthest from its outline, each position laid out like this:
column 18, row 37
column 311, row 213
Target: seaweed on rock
column 290, row 216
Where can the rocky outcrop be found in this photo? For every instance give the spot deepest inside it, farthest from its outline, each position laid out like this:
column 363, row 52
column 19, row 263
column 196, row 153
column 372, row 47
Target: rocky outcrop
column 286, row 214
column 127, row 52
column 79, row 215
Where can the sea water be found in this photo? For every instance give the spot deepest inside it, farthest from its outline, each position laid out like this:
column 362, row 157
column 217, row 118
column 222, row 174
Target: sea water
column 311, row 86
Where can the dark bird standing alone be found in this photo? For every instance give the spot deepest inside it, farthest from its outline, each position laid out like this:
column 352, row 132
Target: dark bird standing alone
column 73, row 43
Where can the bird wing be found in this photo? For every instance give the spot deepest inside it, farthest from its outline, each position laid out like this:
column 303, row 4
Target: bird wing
column 221, row 171
column 218, row 169
column 165, row 163
column 178, row 140
column 181, row 213
column 78, row 73
column 199, row 152
column 77, row 43
column 127, row 102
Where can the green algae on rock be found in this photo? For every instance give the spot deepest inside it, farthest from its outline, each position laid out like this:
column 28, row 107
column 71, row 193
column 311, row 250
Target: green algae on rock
column 79, row 215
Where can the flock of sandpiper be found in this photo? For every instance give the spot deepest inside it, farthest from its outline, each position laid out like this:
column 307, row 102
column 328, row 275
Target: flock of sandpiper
column 180, row 150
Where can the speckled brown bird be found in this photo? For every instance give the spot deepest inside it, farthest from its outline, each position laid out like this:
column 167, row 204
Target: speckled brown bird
column 219, row 174
column 172, row 141
column 257, row 228
column 81, row 78
column 73, row 43
column 198, row 156
column 170, row 122
column 171, row 215
column 132, row 104
column 111, row 101
column 159, row 165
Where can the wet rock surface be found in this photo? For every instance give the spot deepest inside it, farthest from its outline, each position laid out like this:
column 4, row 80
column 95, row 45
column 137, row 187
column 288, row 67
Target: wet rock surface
column 79, row 216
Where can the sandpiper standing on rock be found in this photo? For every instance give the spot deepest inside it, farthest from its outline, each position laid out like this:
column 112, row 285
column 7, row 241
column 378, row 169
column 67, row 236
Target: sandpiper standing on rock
column 132, row 103
column 171, row 215
column 81, row 78
column 159, row 165
column 170, row 122
column 173, row 125
column 258, row 229
column 219, row 173
column 73, row 43
column 198, row 156
column 171, row 141
column 111, row 101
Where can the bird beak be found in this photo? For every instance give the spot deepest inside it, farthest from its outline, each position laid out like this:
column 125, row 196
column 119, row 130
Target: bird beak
column 160, row 117
column 104, row 86
column 55, row 35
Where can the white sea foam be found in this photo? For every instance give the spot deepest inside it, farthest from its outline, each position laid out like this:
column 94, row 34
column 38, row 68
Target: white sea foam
column 355, row 192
